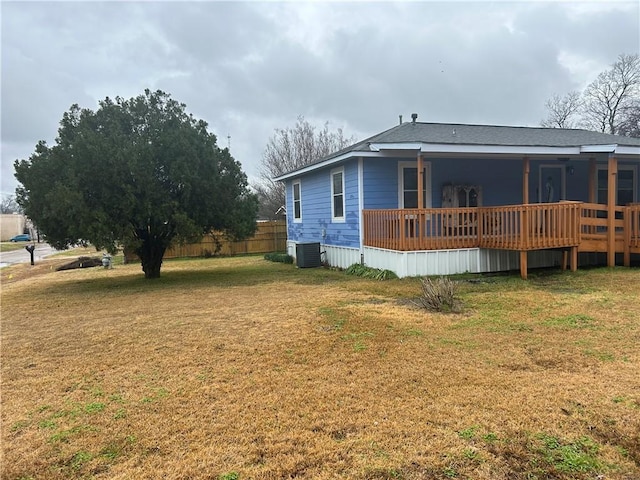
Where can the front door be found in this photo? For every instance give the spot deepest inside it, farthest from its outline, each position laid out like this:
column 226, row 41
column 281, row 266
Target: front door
column 551, row 187
column 408, row 185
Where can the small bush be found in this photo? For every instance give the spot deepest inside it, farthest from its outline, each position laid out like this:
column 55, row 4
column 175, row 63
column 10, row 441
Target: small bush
column 278, row 257
column 368, row 272
column 439, row 295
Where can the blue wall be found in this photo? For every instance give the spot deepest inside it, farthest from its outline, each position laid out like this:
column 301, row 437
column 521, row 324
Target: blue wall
column 380, row 178
column 315, row 189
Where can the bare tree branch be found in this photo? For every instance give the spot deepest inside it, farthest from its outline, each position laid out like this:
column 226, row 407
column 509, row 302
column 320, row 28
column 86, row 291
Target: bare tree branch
column 8, row 204
column 562, row 110
column 612, row 94
column 289, row 149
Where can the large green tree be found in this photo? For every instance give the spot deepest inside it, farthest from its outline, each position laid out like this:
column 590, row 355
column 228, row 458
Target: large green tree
column 138, row 174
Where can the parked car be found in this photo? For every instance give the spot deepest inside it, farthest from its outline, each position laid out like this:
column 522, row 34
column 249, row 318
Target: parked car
column 25, row 237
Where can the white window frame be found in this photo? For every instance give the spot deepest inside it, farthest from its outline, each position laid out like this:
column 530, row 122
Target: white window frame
column 427, row 184
column 293, row 203
column 632, row 168
column 335, row 219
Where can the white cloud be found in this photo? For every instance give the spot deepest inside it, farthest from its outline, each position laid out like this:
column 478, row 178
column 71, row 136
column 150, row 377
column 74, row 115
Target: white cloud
column 250, row 67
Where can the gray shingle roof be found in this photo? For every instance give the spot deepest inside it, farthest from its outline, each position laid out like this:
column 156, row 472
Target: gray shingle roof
column 461, row 134
column 494, row 135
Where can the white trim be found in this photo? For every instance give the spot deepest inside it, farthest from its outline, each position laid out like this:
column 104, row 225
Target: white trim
column 627, row 150
column 563, row 181
column 361, row 200
column 632, row 168
column 427, row 185
column 341, row 219
column 376, row 147
column 480, row 149
column 329, row 161
column 599, row 148
column 293, row 196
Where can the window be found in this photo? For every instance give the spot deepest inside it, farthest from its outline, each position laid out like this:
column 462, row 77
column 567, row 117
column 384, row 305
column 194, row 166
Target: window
column 408, row 185
column 337, row 195
column 297, row 205
column 625, row 189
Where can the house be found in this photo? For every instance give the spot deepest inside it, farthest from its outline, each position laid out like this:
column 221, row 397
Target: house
column 11, row 224
column 432, row 198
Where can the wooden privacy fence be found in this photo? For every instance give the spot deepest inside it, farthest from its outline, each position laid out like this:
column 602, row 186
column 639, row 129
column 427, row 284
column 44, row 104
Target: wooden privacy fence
column 271, row 236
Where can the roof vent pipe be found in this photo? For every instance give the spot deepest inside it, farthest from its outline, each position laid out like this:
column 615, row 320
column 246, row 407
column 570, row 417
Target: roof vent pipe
column 400, row 116
column 414, row 117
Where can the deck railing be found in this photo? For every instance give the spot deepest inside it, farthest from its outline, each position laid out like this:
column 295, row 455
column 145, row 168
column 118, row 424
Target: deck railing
column 594, row 227
column 421, row 229
column 632, row 227
column 512, row 227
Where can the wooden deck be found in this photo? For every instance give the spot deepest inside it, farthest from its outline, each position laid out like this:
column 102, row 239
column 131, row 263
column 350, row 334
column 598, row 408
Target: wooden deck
column 572, row 226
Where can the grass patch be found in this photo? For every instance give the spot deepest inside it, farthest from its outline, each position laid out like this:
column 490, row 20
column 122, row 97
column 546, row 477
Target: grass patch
column 573, row 320
column 238, row 366
column 12, row 246
column 578, row 456
column 279, row 257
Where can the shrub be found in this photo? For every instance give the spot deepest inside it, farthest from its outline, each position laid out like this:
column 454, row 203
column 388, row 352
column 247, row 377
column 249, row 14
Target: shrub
column 439, row 295
column 367, row 272
column 278, row 257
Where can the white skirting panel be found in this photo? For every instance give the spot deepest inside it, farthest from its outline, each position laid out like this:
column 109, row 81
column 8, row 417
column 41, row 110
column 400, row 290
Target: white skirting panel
column 341, row 257
column 450, row 262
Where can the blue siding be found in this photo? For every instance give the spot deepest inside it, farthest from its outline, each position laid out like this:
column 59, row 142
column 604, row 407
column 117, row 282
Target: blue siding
column 315, row 189
column 380, row 178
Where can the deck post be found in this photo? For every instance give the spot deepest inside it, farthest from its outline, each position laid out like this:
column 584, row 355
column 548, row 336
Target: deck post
column 574, row 259
column 612, row 171
column 523, row 264
column 593, row 171
column 420, row 182
column 626, row 211
column 526, row 169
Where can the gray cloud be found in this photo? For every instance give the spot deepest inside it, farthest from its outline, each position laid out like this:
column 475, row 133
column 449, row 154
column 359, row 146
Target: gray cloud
column 250, row 67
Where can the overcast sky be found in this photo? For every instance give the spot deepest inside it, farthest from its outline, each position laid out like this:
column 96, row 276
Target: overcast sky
column 248, row 68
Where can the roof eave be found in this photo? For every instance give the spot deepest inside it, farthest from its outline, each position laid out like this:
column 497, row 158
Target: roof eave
column 384, row 149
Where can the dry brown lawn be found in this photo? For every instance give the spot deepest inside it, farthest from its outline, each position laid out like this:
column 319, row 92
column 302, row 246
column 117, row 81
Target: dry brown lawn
column 241, row 368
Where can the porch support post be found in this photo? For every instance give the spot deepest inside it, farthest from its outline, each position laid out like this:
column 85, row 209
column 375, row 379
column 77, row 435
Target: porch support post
column 592, row 180
column 574, row 259
column 524, row 215
column 525, row 180
column 612, row 171
column 420, row 182
column 627, row 236
column 523, row 264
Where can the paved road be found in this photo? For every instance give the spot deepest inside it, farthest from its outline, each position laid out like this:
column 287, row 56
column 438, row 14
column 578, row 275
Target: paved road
column 22, row 256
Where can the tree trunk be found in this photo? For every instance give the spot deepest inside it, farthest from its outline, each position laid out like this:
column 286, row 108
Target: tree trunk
column 151, row 254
